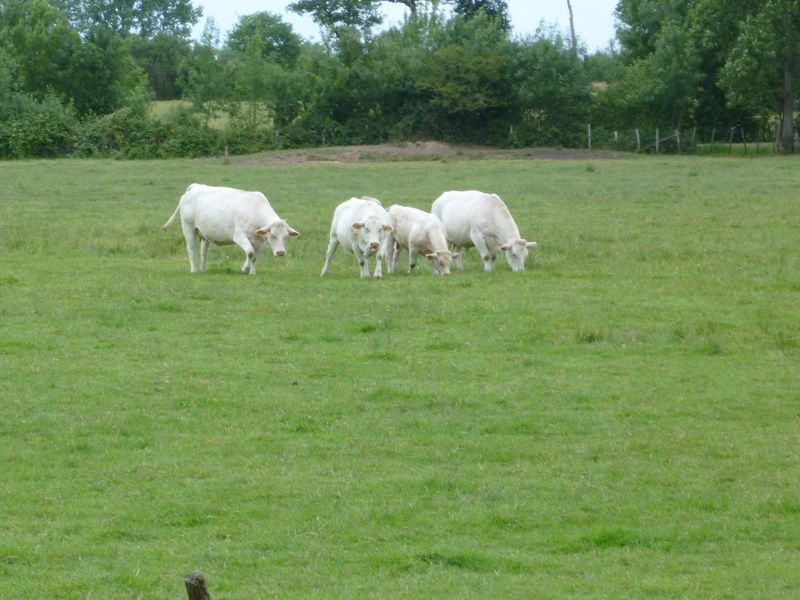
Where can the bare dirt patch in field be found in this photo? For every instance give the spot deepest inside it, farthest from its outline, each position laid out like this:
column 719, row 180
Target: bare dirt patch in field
column 412, row 151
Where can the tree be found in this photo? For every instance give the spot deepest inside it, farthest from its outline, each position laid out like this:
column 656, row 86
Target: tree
column 466, row 80
column 639, row 23
column 40, row 41
column 160, row 57
column 204, row 79
column 551, row 96
column 761, row 69
column 146, row 18
column 496, row 10
column 333, row 15
column 279, row 42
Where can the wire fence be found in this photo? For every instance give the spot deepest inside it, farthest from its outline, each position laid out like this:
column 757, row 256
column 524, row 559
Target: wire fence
column 715, row 140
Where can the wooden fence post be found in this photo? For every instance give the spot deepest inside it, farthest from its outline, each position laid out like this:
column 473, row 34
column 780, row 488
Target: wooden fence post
column 616, row 140
column 657, row 140
column 196, row 586
column 638, row 141
column 744, row 141
column 589, row 132
column 678, row 139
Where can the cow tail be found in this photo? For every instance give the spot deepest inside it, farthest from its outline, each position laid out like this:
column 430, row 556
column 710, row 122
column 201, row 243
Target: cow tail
column 172, row 218
column 178, row 208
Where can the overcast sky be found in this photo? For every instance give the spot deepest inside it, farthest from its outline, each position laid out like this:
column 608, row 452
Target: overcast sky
column 594, row 19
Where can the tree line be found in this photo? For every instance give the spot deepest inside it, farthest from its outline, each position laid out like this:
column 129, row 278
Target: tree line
column 77, row 77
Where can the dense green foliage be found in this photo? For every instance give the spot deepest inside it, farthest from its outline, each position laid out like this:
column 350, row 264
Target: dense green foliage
column 620, row 420
column 452, row 71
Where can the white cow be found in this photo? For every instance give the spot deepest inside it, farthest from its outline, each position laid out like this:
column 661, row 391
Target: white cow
column 482, row 220
column 361, row 226
column 228, row 216
column 418, row 232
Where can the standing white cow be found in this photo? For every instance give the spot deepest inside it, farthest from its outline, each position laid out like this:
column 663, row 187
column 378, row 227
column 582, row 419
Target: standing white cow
column 361, row 226
column 418, row 232
column 228, row 216
column 482, row 220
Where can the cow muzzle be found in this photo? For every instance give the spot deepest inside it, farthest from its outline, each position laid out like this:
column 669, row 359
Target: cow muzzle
column 374, row 246
column 280, row 252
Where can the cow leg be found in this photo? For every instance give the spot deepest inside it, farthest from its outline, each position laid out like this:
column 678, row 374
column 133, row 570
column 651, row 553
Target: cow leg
column 480, row 245
column 459, row 260
column 412, row 258
column 204, row 244
column 379, row 256
column 191, row 240
column 332, row 245
column 392, row 250
column 393, row 256
column 363, row 261
column 240, row 239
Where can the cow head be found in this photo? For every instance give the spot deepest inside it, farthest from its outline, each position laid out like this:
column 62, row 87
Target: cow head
column 370, row 234
column 441, row 261
column 275, row 235
column 516, row 252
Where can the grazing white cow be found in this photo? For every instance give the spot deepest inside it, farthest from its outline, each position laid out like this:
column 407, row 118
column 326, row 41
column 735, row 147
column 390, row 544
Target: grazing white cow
column 418, row 232
column 482, row 220
column 361, row 226
column 228, row 216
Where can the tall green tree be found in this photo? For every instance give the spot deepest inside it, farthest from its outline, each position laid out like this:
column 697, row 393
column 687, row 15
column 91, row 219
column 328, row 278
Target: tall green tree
column 760, row 72
column 335, row 15
column 204, row 78
column 160, row 57
column 550, row 92
column 40, row 41
column 278, row 41
column 496, row 10
column 466, row 80
column 146, row 18
column 639, row 24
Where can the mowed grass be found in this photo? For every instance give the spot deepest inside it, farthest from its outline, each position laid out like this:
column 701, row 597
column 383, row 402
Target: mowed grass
column 620, row 420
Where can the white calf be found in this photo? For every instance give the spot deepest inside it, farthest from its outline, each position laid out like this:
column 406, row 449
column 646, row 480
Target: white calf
column 417, row 232
column 361, row 226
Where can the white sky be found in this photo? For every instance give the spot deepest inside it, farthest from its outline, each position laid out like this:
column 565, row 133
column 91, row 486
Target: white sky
column 594, row 19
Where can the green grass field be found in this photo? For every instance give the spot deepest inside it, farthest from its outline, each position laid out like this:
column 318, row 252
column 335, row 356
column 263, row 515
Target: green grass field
column 620, row 420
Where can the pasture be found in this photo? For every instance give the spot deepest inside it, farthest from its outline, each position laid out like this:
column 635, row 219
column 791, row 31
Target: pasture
column 620, row 420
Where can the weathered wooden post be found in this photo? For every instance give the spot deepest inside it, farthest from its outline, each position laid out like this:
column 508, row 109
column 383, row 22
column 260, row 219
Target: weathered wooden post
column 616, row 140
column 589, row 133
column 744, row 141
column 196, row 586
column 657, row 140
column 678, row 139
column 638, row 141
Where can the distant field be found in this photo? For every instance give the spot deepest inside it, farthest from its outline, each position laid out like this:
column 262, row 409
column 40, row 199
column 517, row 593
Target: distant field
column 620, row 420
column 162, row 108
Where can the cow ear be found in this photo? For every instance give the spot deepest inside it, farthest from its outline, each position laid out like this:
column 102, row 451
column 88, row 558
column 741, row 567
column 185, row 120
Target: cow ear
column 263, row 231
column 388, row 228
column 505, row 247
column 530, row 244
column 456, row 254
column 431, row 257
column 358, row 226
column 294, row 232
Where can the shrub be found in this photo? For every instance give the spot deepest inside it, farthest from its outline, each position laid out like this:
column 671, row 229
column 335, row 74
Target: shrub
column 32, row 128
